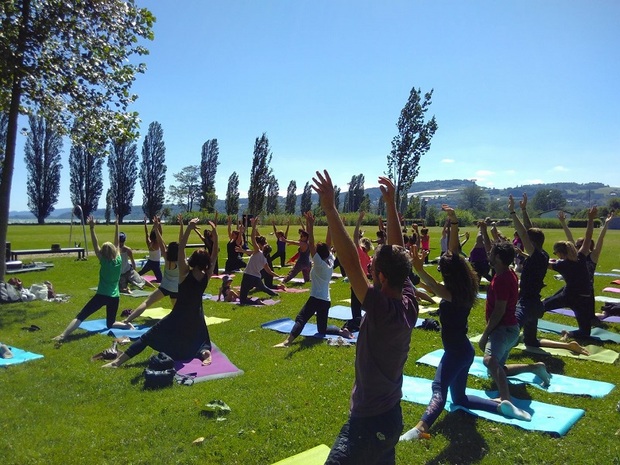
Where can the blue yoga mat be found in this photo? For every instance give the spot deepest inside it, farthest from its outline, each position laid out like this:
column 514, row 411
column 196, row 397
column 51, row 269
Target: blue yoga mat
column 19, row 356
column 559, row 383
column 595, row 333
column 285, row 325
column 341, row 312
column 545, row 417
column 99, row 326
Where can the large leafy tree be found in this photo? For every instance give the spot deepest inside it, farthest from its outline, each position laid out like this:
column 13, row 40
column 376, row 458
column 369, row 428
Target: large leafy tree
column 273, row 191
column 412, row 141
column 473, row 199
column 153, row 170
column 259, row 175
column 291, row 198
column 187, row 190
column 232, row 195
column 306, row 199
column 548, row 199
column 123, row 168
column 74, row 61
column 42, row 157
column 208, row 170
column 85, row 171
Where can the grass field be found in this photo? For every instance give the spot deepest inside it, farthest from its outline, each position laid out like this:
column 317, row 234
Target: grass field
column 65, row 409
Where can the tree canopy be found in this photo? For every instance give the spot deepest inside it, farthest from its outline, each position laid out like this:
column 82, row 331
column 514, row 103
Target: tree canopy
column 153, row 170
column 259, row 175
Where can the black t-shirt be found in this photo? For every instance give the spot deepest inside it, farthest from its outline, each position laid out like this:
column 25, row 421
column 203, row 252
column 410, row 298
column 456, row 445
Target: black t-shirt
column 453, row 320
column 576, row 276
column 533, row 274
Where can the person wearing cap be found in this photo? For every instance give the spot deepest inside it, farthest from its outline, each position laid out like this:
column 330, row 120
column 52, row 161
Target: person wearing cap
column 107, row 291
column 227, row 294
column 303, row 263
column 319, row 301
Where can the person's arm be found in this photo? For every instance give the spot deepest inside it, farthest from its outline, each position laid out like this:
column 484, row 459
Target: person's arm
column 567, row 231
column 381, row 225
column 453, row 233
column 215, row 248
column 160, row 238
column 464, row 241
column 328, row 238
column 394, row 236
column 146, row 234
column 485, row 235
column 199, row 234
column 182, row 262
column 130, row 257
column 310, row 229
column 585, row 246
column 230, row 235
column 414, row 226
column 526, row 218
column 417, row 260
column 596, row 253
column 93, row 236
column 356, row 231
column 520, row 227
column 494, row 320
column 288, row 225
column 254, row 223
column 347, row 252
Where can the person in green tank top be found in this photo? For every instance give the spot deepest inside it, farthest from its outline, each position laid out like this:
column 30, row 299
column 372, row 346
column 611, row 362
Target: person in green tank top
column 107, row 291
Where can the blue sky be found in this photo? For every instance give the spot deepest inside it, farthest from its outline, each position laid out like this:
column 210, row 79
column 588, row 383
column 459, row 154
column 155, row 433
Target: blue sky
column 524, row 91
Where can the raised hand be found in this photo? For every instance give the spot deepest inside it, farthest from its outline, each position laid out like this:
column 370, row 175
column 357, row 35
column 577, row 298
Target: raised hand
column 387, row 189
column 323, row 186
column 511, row 203
column 523, row 202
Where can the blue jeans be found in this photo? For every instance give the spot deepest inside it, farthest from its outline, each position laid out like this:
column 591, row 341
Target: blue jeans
column 368, row 440
column 452, row 373
column 528, row 311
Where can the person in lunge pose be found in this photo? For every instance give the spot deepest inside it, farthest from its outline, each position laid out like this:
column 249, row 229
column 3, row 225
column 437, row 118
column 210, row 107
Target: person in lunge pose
column 375, row 419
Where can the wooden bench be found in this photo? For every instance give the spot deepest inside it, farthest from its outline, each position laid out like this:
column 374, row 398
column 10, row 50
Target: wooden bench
column 79, row 250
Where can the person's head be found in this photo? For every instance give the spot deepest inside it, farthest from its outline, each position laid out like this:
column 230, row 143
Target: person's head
column 280, row 234
column 207, row 233
column 516, row 235
column 502, row 252
column 122, row 237
column 579, row 243
column 459, row 278
column 200, row 259
column 366, row 244
column 261, row 241
column 394, row 263
column 235, row 234
column 424, row 231
column 226, row 281
column 322, row 249
column 380, row 237
column 108, row 251
column 479, row 240
column 267, row 250
column 153, row 236
column 303, row 235
column 172, row 252
column 565, row 250
column 536, row 237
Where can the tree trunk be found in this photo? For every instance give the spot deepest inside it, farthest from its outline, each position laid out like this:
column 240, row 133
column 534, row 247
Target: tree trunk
column 11, row 137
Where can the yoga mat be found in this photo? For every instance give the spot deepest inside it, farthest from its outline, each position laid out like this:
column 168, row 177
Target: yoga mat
column 569, row 312
column 597, row 354
column 99, row 326
column 149, row 277
column 221, row 367
column 545, row 417
column 611, row 275
column 341, row 312
column 134, row 293
column 616, row 281
column 559, row 383
column 285, row 325
column 221, row 276
column 19, row 356
column 157, row 313
column 595, row 333
column 615, row 290
column 315, row 456
column 294, row 290
column 607, row 300
column 482, row 296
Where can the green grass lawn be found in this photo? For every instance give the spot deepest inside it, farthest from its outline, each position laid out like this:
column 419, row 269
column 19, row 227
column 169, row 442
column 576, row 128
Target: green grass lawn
column 66, row 409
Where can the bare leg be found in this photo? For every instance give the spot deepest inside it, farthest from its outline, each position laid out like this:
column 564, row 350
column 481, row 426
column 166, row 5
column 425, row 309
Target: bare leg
column 573, row 346
column 150, row 300
column 539, row 369
column 289, row 340
column 205, row 356
column 122, row 358
column 499, row 376
column 68, row 330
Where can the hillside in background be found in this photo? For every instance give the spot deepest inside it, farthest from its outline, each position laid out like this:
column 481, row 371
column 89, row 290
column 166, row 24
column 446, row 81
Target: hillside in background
column 578, row 196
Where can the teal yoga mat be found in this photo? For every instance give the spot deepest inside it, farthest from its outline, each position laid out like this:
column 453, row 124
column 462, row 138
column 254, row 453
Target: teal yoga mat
column 99, row 326
column 19, row 356
column 559, row 383
column 595, row 333
column 548, row 418
column 285, row 325
column 341, row 312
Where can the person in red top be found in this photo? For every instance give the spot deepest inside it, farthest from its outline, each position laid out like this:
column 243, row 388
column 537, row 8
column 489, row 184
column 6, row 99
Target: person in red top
column 502, row 330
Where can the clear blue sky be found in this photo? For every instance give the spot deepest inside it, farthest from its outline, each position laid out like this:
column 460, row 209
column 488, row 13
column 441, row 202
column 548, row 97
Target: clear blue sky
column 524, row 91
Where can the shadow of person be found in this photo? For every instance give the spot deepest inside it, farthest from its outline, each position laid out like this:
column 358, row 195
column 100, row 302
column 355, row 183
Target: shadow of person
column 465, row 444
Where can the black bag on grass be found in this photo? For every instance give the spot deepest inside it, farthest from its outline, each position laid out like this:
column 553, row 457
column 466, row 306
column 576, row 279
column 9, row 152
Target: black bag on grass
column 161, row 362
column 155, row 379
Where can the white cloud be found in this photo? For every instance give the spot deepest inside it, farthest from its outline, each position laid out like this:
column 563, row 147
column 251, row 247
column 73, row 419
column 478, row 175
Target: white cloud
column 560, row 168
column 511, row 172
column 447, row 160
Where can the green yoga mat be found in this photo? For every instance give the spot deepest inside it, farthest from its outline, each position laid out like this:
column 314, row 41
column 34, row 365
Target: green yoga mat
column 548, row 418
column 597, row 354
column 315, row 456
column 559, row 383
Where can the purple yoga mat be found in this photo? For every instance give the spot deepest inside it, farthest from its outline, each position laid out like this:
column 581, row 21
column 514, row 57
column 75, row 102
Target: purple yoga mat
column 569, row 312
column 220, row 367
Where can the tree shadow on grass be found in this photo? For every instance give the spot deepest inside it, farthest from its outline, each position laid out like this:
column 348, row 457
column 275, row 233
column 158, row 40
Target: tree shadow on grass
column 465, row 446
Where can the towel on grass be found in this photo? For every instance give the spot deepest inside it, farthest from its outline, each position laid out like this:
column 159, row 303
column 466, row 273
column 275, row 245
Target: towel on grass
column 559, row 383
column 315, row 456
column 569, row 312
column 552, row 419
column 19, row 356
column 597, row 354
column 220, row 367
column 595, row 333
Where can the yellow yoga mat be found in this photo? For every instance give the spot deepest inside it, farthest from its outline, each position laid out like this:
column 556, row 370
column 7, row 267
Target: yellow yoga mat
column 157, row 313
column 315, row 456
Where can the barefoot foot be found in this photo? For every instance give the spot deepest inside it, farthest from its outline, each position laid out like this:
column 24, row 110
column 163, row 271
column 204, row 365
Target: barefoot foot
column 540, row 370
column 508, row 409
column 205, row 356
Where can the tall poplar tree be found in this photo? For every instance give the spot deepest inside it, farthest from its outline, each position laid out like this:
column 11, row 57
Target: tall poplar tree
column 153, row 170
column 412, row 141
column 273, row 191
column 123, row 169
column 42, row 157
column 75, row 60
column 306, row 199
column 85, row 171
column 291, row 198
column 208, row 170
column 232, row 195
column 259, row 175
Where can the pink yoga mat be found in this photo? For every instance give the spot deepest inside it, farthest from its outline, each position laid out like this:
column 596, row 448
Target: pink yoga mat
column 615, row 290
